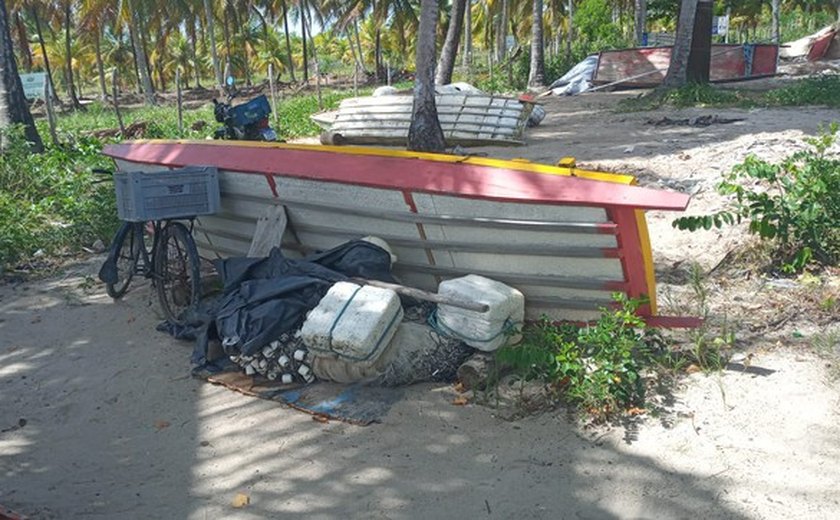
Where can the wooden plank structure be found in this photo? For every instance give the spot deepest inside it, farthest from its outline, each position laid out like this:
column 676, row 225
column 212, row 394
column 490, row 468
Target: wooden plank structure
column 466, row 118
column 647, row 66
column 566, row 237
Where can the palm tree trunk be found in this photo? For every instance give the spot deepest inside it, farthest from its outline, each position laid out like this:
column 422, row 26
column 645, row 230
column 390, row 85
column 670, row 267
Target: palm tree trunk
column 100, row 67
column 356, row 60
column 775, row 7
column 641, row 21
column 71, row 89
column 288, row 41
column 40, row 34
column 194, row 51
column 424, row 133
column 23, row 42
column 678, row 68
column 144, row 42
column 377, row 49
column 217, row 68
column 359, row 43
column 226, row 32
column 303, row 40
column 13, row 106
column 140, row 53
column 570, row 33
column 501, row 36
column 468, row 34
column 134, row 60
column 536, row 76
column 450, row 45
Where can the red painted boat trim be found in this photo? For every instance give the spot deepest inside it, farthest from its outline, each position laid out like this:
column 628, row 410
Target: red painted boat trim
column 660, row 322
column 632, row 259
column 8, row 514
column 673, row 322
column 820, row 46
column 402, row 173
column 727, row 64
column 272, row 184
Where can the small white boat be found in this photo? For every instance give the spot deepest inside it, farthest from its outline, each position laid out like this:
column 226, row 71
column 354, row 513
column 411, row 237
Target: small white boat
column 467, row 118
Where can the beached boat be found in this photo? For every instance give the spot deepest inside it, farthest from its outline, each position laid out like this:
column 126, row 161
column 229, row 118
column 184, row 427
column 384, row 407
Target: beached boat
column 647, row 66
column 566, row 237
column 470, row 118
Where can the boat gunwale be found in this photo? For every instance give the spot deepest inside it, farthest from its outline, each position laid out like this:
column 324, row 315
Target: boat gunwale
column 581, row 186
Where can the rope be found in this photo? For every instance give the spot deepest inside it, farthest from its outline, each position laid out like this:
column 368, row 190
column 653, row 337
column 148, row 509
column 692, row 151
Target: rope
column 441, row 328
column 376, row 347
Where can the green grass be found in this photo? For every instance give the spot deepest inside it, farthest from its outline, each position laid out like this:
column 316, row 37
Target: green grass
column 51, row 202
column 818, row 90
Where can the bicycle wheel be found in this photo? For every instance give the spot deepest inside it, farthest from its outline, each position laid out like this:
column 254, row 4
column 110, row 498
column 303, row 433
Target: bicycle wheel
column 126, row 247
column 176, row 264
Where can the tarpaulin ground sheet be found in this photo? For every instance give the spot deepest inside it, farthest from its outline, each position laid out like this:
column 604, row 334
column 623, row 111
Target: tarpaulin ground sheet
column 355, row 404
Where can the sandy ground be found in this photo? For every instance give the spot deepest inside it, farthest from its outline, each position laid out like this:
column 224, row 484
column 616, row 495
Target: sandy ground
column 100, row 419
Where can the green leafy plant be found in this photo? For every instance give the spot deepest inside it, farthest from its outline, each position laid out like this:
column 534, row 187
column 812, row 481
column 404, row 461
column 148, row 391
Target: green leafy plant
column 600, row 368
column 817, row 90
column 793, row 203
column 49, row 201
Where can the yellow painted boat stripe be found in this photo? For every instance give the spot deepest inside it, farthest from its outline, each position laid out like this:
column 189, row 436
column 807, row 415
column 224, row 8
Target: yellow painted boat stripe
column 515, row 164
column 647, row 255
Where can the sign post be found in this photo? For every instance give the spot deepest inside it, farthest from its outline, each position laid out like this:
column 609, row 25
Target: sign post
column 33, row 84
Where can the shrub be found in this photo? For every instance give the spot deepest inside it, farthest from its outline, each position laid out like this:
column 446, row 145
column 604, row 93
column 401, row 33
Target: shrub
column 818, row 90
column 49, row 201
column 793, row 203
column 600, row 368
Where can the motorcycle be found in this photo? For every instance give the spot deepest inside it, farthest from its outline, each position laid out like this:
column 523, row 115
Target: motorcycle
column 245, row 122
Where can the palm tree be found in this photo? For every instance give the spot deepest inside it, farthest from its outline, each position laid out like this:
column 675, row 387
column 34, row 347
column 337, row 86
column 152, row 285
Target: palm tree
column 13, row 106
column 33, row 10
column 68, row 55
column 536, row 76
column 678, row 69
column 450, row 46
column 208, row 13
column 640, row 20
column 424, row 133
column 140, row 51
column 94, row 15
column 23, row 40
column 467, row 57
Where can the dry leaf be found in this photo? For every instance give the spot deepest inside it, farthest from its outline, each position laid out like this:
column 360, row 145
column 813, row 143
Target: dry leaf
column 636, row 411
column 241, row 500
column 692, row 369
column 36, row 319
column 321, row 418
column 460, row 400
column 161, row 424
column 460, row 388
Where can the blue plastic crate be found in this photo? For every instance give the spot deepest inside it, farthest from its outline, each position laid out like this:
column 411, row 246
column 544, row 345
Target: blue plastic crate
column 168, row 194
column 250, row 112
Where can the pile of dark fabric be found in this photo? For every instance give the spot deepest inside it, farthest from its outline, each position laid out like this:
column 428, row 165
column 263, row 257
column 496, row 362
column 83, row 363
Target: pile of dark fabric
column 263, row 298
column 252, row 325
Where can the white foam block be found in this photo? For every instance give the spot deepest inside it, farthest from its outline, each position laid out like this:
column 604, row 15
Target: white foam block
column 352, row 323
column 488, row 330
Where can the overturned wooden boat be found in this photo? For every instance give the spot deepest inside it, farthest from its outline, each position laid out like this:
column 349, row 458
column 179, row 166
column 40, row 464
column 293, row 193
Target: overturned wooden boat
column 566, row 237
column 467, row 119
column 647, row 66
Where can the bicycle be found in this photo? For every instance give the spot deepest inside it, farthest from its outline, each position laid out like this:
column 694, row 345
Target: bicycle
column 171, row 261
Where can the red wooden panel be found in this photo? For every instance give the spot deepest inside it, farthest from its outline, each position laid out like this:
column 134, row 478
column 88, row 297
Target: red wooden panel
column 765, row 59
column 820, row 46
column 632, row 260
column 727, row 63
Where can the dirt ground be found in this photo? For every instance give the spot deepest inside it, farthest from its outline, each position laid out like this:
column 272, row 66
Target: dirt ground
column 99, row 417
